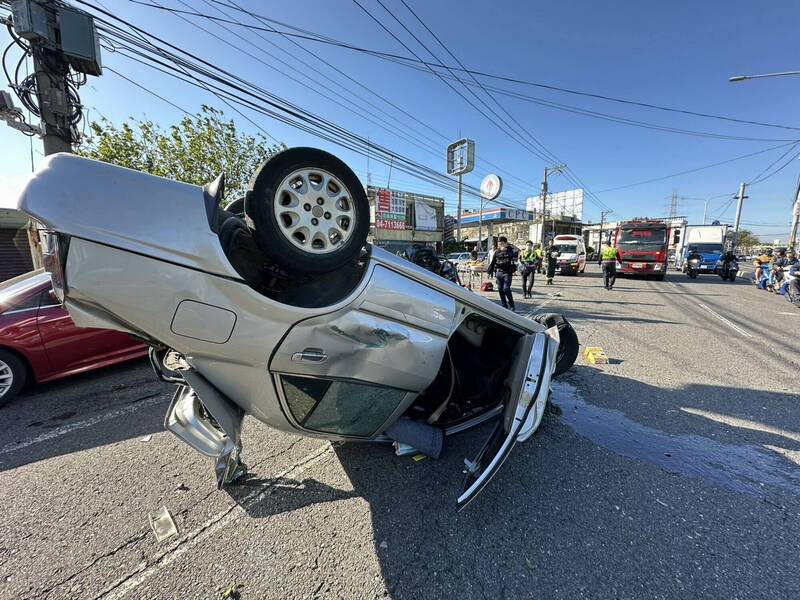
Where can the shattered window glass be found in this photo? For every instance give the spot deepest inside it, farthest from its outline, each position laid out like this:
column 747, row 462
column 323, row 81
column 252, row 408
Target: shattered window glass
column 340, row 407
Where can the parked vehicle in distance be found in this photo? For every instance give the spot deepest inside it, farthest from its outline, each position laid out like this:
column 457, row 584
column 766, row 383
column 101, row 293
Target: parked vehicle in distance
column 373, row 349
column 572, row 254
column 642, row 245
column 706, row 240
column 457, row 258
column 39, row 342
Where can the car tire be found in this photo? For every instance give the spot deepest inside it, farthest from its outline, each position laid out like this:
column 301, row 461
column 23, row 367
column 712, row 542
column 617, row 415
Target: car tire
column 288, row 223
column 11, row 366
column 568, row 346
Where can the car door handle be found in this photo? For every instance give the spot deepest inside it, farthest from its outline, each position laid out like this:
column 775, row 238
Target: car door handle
column 316, row 355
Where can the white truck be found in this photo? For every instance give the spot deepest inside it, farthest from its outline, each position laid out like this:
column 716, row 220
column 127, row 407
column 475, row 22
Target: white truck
column 707, row 240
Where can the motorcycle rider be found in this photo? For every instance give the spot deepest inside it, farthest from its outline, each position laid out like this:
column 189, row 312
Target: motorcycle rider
column 503, row 265
column 527, row 261
column 609, row 257
column 727, row 258
column 792, row 285
column 693, row 254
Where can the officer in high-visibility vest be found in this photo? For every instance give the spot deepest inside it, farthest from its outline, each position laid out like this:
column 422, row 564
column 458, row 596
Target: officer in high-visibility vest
column 609, row 257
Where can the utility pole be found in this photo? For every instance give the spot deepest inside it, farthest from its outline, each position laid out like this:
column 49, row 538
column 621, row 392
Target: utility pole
column 740, row 199
column 705, row 211
column 603, row 214
column 795, row 218
column 55, row 107
column 547, row 171
column 58, row 37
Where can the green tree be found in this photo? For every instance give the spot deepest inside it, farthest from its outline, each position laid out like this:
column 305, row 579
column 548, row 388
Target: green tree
column 746, row 239
column 195, row 150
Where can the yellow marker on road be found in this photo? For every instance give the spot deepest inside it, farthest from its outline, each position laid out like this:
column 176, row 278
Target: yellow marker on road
column 595, row 355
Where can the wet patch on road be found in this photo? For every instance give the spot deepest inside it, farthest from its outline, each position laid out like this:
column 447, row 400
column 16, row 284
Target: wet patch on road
column 745, row 468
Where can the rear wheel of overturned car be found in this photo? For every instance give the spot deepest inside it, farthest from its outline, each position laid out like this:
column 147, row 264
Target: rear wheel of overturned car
column 12, row 376
column 308, row 210
column 568, row 346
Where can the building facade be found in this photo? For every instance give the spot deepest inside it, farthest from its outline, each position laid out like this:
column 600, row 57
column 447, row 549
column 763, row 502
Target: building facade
column 399, row 219
column 19, row 248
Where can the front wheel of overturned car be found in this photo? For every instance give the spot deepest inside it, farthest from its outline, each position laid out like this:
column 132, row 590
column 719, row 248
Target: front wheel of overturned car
column 568, row 346
column 12, row 376
column 308, row 210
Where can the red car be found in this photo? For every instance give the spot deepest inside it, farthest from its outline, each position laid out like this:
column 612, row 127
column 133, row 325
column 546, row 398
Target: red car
column 39, row 342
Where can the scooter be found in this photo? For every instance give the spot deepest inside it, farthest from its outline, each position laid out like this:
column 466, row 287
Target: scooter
column 693, row 267
column 727, row 270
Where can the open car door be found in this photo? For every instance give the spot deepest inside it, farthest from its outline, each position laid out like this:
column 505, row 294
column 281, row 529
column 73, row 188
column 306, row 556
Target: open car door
column 526, row 391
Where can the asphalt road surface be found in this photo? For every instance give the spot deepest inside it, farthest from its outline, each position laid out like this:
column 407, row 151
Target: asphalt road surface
column 673, row 472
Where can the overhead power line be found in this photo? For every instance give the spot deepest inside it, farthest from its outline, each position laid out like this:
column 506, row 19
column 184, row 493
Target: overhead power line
column 695, row 170
column 125, row 43
column 315, row 37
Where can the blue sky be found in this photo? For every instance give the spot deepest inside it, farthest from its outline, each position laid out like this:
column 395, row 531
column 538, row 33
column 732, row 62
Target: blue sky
column 676, row 54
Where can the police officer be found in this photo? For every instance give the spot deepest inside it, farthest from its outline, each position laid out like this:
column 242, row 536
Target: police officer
column 503, row 265
column 527, row 262
column 609, row 257
column 539, row 258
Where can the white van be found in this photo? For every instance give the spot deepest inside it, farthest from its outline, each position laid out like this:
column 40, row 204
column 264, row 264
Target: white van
column 572, row 258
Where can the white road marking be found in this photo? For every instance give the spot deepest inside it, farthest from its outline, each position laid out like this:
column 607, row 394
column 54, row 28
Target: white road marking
column 793, row 314
column 733, row 326
column 145, row 570
column 66, row 429
column 550, row 298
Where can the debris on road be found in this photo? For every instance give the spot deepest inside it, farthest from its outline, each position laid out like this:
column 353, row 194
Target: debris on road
column 147, row 438
column 162, row 524
column 401, row 449
column 232, row 592
column 595, row 355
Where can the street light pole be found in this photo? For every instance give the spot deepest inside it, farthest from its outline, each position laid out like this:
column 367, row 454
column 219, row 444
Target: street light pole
column 737, row 78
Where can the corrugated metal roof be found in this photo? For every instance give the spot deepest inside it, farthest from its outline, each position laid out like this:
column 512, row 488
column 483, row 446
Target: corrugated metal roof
column 11, row 218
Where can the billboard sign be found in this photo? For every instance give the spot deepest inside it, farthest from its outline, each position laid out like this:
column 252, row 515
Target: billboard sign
column 391, row 209
column 559, row 204
column 461, row 157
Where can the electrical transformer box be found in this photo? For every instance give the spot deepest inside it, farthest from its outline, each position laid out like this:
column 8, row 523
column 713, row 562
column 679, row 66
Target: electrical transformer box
column 79, row 41
column 32, row 21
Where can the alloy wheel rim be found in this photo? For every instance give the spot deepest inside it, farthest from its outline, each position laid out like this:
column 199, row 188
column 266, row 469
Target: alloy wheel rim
column 6, row 378
column 315, row 211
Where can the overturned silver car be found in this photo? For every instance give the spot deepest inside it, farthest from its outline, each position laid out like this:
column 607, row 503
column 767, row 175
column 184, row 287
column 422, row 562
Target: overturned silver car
column 279, row 309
